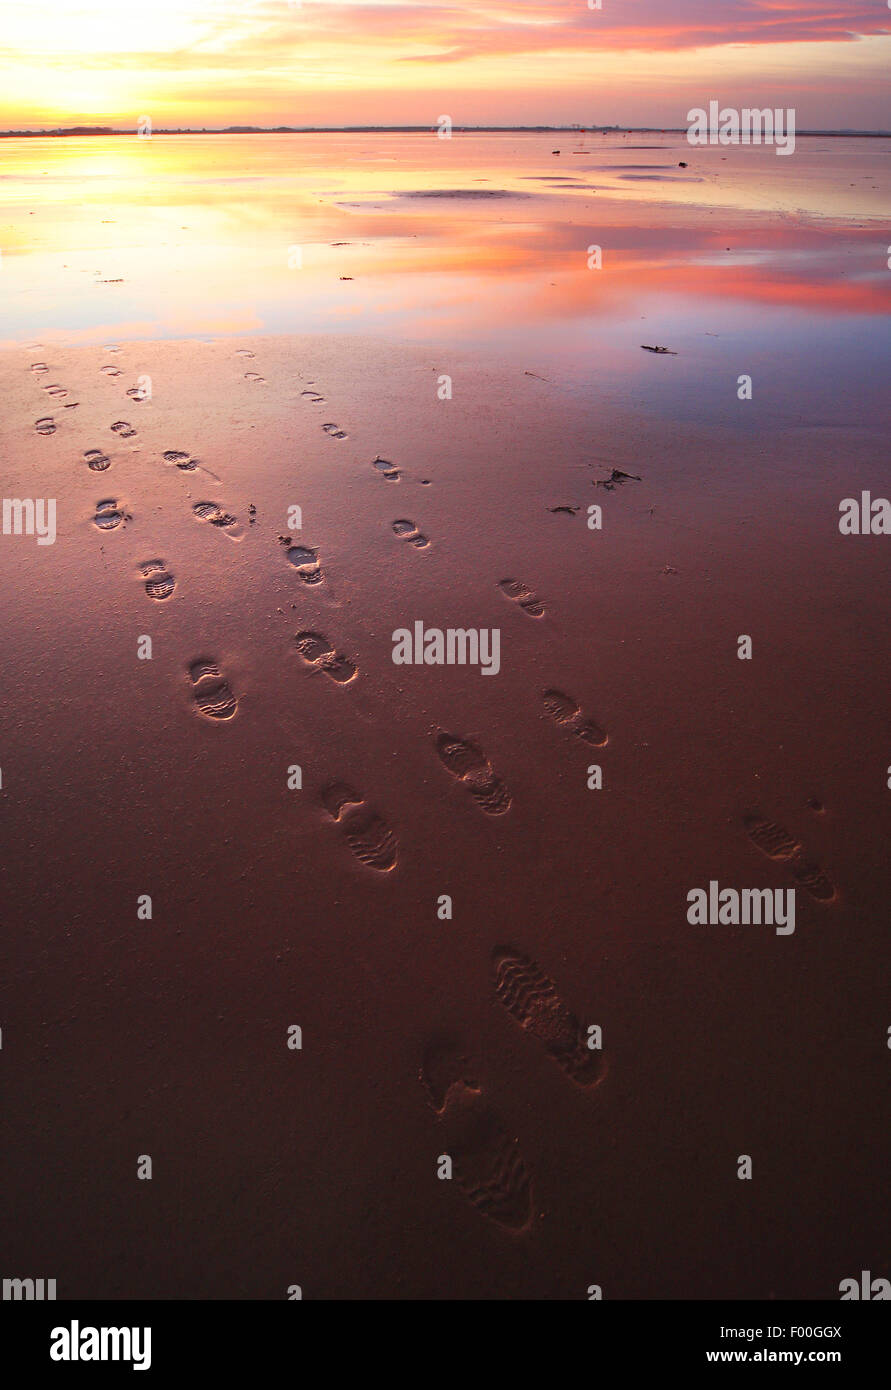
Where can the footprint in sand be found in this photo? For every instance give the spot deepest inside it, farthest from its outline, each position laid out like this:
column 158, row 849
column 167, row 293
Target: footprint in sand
column 180, row 459
column 814, row 880
column 39, row 367
column 334, row 431
column 46, row 426
column 313, row 396
column 564, row 711
column 57, row 392
column 159, row 582
column 306, row 562
column 486, row 1163
column 774, row 841
column 108, row 514
column 521, row 594
column 111, row 347
column 215, row 514
column 470, row 766
column 446, row 1065
column 770, row 838
column 388, row 469
column 368, row 836
column 244, row 352
column 212, row 694
column 253, row 376
column 532, row 999
column 408, row 531
column 111, row 371
column 125, row 430
column 95, row 459
column 318, row 652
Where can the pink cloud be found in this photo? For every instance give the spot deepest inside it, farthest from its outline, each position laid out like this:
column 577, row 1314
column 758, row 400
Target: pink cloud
column 475, row 30
column 467, row 29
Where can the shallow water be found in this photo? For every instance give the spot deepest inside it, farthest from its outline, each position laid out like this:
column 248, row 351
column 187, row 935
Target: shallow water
column 742, row 262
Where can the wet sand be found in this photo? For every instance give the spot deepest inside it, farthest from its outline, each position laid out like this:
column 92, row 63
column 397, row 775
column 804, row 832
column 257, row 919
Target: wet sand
column 317, row 907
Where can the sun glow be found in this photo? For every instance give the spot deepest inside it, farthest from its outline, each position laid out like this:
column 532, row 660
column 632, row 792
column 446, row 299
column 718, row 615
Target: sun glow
column 211, row 63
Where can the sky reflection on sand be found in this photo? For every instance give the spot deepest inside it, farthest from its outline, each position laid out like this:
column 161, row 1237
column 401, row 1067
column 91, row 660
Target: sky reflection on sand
column 480, row 241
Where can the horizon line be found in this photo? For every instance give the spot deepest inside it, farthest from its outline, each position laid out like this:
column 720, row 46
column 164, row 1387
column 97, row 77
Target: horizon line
column 69, row 131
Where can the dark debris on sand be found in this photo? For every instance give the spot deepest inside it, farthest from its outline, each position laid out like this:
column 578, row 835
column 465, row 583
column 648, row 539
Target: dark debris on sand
column 616, row 479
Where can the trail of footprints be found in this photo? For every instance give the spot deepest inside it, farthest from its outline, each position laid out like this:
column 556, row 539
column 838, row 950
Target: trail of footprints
column 774, row 841
column 248, row 356
column 329, row 427
column 463, row 759
column 212, row 695
column 487, row 1164
column 489, row 1168
column 58, row 393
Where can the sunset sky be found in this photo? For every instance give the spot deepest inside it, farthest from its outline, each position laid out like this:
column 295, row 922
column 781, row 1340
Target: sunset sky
column 385, row 62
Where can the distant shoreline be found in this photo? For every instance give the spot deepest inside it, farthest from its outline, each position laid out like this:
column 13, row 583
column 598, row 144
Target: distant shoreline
column 80, row 131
